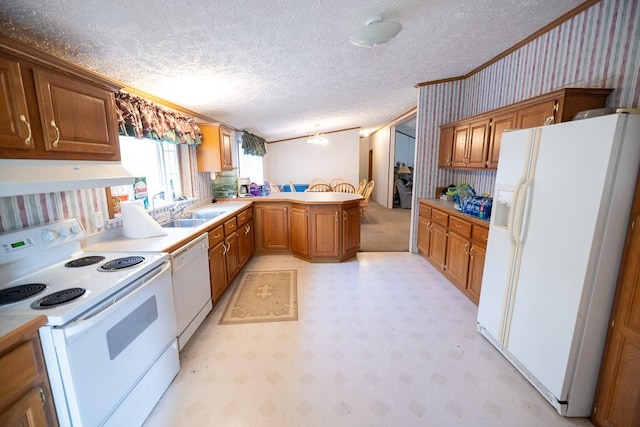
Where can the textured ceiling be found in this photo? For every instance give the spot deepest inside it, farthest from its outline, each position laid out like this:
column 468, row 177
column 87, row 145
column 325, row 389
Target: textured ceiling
column 279, row 69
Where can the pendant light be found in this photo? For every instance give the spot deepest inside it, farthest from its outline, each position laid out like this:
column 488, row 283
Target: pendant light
column 375, row 32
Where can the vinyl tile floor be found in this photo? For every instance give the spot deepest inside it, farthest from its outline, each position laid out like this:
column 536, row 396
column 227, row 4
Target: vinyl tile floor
column 381, row 340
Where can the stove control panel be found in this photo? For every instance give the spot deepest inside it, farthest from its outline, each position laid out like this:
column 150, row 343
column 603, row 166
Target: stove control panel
column 19, row 243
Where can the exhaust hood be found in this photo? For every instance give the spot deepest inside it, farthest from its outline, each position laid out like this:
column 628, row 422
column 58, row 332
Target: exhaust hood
column 18, row 177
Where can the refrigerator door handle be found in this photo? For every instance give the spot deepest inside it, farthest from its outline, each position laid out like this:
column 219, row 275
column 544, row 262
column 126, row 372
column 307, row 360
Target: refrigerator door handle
column 520, row 207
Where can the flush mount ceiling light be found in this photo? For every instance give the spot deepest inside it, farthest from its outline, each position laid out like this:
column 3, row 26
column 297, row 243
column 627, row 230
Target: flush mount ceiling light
column 377, row 31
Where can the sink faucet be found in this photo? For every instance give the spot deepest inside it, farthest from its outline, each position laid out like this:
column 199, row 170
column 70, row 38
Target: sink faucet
column 175, row 211
column 153, row 204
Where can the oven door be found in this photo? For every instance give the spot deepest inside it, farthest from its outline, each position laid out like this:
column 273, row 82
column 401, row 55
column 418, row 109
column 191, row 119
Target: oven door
column 103, row 354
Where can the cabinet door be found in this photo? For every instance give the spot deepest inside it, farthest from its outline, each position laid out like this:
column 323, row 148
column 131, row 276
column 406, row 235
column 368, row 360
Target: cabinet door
column 460, row 136
column 446, row 147
column 476, row 268
column 217, row 271
column 424, row 235
column 438, row 245
column 275, row 226
column 299, row 220
column 15, row 125
column 76, row 117
column 350, row 230
column 478, row 144
column 325, row 231
column 536, row 115
column 226, row 149
column 457, row 259
column 498, row 126
column 245, row 242
column 231, row 256
column 26, row 412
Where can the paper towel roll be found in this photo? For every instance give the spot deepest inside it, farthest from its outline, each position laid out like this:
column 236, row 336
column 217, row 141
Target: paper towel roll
column 136, row 222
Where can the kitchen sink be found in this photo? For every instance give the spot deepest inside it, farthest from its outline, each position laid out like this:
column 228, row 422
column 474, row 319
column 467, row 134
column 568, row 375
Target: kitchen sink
column 202, row 215
column 183, row 222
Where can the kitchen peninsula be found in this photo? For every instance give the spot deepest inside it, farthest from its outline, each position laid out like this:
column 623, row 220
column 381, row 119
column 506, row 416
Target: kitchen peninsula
column 315, row 226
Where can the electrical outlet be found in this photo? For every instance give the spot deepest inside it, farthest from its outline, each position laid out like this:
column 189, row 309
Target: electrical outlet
column 98, row 221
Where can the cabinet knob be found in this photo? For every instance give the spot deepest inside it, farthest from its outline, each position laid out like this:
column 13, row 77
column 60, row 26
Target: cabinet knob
column 55, row 142
column 23, row 119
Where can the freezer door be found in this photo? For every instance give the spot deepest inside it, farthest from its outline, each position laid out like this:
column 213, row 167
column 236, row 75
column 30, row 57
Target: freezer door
column 495, row 295
column 564, row 217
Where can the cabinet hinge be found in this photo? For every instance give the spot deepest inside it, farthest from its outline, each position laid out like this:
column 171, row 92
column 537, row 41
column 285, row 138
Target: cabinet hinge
column 613, row 322
column 555, row 106
column 42, row 396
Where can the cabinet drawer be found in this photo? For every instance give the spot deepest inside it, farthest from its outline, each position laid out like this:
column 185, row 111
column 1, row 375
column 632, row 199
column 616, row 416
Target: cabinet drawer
column 480, row 235
column 439, row 217
column 462, row 228
column 425, row 211
column 244, row 216
column 230, row 226
column 216, row 236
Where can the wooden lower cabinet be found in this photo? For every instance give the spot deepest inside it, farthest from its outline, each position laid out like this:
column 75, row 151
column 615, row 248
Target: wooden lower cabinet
column 455, row 244
column 477, row 255
column 315, row 232
column 325, row 231
column 245, row 242
column 438, row 245
column 457, row 260
column 25, row 393
column 299, row 224
column 217, row 263
column 617, row 399
column 231, row 256
column 350, row 230
column 272, row 227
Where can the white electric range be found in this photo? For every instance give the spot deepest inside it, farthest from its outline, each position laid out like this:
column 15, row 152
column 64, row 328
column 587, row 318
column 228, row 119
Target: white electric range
column 110, row 339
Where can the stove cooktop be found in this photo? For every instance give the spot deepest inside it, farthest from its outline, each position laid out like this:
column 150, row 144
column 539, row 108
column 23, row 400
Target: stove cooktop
column 94, row 282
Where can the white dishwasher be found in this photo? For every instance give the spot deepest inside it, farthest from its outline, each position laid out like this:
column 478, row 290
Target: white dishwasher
column 191, row 289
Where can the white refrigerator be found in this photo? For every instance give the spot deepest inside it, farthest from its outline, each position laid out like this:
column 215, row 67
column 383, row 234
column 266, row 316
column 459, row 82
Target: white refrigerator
column 562, row 200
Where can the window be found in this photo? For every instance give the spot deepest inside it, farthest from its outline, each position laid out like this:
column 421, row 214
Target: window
column 155, row 160
column 250, row 166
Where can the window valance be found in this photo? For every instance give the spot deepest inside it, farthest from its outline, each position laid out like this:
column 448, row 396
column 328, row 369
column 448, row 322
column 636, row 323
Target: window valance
column 140, row 118
column 253, row 145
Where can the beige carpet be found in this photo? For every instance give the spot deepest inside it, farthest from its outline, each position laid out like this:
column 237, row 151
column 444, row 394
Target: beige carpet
column 263, row 296
column 386, row 231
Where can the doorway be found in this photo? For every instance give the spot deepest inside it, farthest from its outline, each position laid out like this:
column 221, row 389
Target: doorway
column 404, row 154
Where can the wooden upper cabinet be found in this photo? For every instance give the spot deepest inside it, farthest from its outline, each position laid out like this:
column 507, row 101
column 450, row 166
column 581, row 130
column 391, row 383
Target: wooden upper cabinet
column 76, row 116
column 52, row 109
column 446, row 147
column 478, row 144
column 460, row 136
column 537, row 114
column 476, row 140
column 215, row 154
column 15, row 125
column 499, row 124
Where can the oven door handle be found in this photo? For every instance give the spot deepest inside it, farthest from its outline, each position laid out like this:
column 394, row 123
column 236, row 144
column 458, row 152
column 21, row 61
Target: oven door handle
column 98, row 313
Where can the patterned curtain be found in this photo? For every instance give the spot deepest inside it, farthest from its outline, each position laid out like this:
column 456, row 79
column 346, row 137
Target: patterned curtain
column 140, row 118
column 253, row 145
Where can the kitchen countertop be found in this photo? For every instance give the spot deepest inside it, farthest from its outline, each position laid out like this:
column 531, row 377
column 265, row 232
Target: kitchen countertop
column 9, row 323
column 177, row 237
column 447, row 205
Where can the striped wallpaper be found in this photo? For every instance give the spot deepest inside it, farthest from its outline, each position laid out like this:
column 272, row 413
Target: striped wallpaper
column 599, row 47
column 23, row 211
